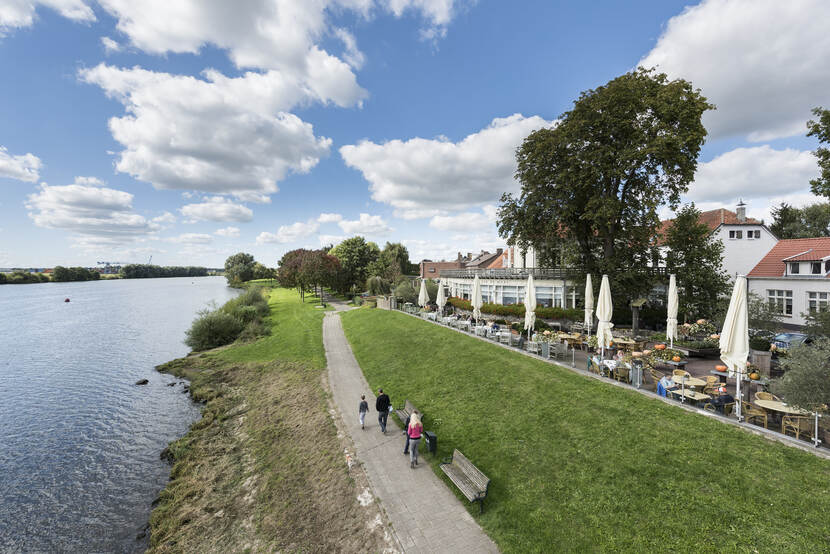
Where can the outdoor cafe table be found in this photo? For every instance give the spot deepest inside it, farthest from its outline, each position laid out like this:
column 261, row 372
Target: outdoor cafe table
column 777, row 406
column 691, row 395
column 625, row 343
column 722, row 375
column 689, row 381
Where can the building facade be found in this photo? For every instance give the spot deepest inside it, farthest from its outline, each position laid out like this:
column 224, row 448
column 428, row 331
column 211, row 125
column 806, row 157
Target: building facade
column 793, row 278
column 745, row 240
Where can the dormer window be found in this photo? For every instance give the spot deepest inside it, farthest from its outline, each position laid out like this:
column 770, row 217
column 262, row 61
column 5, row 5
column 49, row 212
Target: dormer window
column 794, row 268
column 753, row 234
column 827, row 266
column 736, row 234
column 815, row 268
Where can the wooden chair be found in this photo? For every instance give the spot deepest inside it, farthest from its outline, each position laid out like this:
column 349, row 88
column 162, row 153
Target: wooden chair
column 655, row 378
column 761, row 395
column 728, row 408
column 753, row 413
column 593, row 366
column 622, row 374
column 712, row 386
column 709, row 407
column 798, row 425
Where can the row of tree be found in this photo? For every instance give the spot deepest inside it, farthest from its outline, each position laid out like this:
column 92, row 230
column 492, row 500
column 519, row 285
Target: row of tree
column 310, row 269
column 63, row 274
column 147, row 271
column 22, row 278
column 789, row 222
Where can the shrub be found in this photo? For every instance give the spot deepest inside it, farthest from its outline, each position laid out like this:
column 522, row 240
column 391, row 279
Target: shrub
column 407, row 292
column 254, row 330
column 211, row 329
column 518, row 310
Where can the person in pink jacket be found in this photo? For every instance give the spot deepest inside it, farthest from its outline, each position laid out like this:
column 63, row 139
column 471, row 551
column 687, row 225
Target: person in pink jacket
column 413, row 434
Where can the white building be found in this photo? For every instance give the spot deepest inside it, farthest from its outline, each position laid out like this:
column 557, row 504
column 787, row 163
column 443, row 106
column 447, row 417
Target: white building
column 745, row 240
column 793, row 278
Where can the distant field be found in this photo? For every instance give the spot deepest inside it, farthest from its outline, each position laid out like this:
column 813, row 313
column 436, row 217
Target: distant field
column 579, row 465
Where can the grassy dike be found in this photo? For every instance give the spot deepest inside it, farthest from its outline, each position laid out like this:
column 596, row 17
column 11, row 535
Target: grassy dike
column 264, row 469
column 579, row 465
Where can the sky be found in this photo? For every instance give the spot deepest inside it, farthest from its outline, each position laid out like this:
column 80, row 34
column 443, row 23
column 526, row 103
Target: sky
column 189, row 130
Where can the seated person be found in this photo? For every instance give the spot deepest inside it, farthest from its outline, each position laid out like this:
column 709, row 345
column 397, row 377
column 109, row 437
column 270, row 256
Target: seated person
column 665, row 384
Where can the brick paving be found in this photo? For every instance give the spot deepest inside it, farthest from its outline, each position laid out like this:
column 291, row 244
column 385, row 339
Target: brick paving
column 425, row 515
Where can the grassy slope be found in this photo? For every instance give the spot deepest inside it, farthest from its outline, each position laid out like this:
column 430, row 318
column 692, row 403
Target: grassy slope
column 578, row 464
column 263, row 470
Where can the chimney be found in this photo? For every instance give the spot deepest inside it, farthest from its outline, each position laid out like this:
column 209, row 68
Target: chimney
column 469, row 255
column 459, row 256
column 741, row 212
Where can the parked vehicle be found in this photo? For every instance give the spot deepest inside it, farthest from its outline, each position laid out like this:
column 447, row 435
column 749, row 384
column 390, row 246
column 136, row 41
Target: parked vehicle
column 788, row 340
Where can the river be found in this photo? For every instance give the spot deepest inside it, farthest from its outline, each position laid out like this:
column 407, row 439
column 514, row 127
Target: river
column 79, row 440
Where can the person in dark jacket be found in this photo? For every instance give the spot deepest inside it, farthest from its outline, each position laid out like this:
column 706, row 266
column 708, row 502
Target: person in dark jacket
column 382, row 406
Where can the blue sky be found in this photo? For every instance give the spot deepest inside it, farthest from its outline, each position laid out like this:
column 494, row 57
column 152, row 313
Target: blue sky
column 193, row 129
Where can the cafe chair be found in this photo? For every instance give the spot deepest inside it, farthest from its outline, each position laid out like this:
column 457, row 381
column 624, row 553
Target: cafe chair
column 655, row 378
column 797, row 425
column 622, row 374
column 761, row 395
column 754, row 413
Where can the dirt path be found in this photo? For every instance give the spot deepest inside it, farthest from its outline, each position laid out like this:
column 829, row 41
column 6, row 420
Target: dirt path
column 425, row 515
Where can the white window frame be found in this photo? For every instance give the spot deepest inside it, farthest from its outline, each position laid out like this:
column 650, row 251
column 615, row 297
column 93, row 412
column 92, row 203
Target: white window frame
column 794, row 265
column 813, row 267
column 818, row 300
column 781, row 301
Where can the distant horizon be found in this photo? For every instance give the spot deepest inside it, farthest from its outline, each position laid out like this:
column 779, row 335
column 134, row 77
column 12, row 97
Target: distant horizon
column 131, row 131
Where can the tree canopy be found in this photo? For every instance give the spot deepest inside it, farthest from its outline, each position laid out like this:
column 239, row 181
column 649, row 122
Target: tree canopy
column 695, row 256
column 820, row 129
column 806, row 383
column 392, row 262
column 810, row 221
column 598, row 177
column 355, row 255
column 308, row 269
column 239, row 268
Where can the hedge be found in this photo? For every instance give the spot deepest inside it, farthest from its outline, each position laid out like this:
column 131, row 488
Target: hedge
column 518, row 310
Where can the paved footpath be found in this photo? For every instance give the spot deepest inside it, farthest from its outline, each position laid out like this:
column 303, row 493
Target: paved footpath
column 425, row 515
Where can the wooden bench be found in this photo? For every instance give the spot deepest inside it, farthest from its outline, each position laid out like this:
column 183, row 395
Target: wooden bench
column 404, row 413
column 468, row 478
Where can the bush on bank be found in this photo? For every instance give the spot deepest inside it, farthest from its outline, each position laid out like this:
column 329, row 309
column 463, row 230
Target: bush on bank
column 239, row 319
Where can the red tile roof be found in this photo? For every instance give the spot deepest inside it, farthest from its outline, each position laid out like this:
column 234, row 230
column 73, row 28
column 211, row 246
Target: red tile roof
column 772, row 265
column 500, row 262
column 712, row 219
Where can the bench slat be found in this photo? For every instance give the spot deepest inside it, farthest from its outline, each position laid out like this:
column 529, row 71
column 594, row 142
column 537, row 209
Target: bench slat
column 468, row 478
column 466, row 487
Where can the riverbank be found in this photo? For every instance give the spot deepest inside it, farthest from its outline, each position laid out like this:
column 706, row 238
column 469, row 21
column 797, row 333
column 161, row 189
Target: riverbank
column 265, row 469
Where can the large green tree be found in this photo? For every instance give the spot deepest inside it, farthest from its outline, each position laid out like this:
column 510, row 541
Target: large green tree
column 810, row 221
column 806, row 383
column 695, row 256
column 598, row 177
column 392, row 262
column 239, row 268
column 355, row 255
column 820, row 128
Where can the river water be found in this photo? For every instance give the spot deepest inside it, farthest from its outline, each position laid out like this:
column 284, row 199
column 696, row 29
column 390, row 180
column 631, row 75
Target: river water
column 79, row 441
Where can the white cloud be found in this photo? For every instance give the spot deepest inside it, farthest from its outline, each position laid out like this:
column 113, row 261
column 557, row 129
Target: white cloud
column 758, row 60
column 366, row 225
column 93, row 215
column 289, row 233
column 217, row 134
column 230, row 232
column 329, row 218
column 166, row 219
column 216, row 209
column 756, row 172
column 192, row 239
column 469, row 221
column 21, row 13
column 333, row 240
column 423, row 177
column 110, row 45
column 353, row 56
column 23, row 167
column 89, row 181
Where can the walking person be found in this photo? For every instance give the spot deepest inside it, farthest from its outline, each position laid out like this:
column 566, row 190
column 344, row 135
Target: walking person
column 364, row 407
column 382, row 406
column 413, row 433
column 406, row 435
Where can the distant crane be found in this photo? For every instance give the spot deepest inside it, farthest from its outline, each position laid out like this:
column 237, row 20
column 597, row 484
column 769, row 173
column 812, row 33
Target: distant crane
column 150, row 260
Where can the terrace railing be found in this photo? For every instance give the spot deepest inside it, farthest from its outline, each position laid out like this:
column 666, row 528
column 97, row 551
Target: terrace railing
column 523, row 273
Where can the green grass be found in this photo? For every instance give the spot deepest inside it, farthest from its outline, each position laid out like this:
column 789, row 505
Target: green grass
column 263, row 470
column 296, row 333
column 580, row 465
